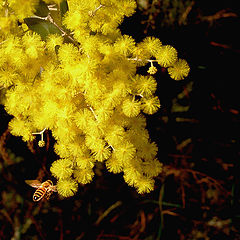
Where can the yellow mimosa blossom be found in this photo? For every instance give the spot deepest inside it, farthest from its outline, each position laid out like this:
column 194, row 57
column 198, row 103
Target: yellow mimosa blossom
column 166, row 55
column 62, row 168
column 125, row 45
column 83, row 175
column 131, row 108
column 179, row 70
column 67, row 187
column 145, row 185
column 145, row 85
column 23, row 8
column 152, row 44
column 73, row 73
column 150, row 105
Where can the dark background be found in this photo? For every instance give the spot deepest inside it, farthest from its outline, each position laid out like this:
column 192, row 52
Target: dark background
column 197, row 131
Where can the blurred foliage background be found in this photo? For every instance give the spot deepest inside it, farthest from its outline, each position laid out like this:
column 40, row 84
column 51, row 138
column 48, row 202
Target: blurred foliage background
column 197, row 131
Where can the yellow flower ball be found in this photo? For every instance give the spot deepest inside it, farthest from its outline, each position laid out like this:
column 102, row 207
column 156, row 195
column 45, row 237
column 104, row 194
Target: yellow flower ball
column 145, row 185
column 62, row 168
column 83, row 175
column 150, row 105
column 179, row 70
column 166, row 55
column 67, row 187
column 114, row 165
column 131, row 108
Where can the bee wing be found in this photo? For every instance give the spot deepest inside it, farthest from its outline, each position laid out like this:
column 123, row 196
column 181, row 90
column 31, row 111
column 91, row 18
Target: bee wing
column 33, row 183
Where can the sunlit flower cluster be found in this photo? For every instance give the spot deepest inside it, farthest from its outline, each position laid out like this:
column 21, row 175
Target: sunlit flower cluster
column 83, row 87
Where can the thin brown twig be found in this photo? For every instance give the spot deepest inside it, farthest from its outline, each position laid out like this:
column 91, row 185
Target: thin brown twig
column 194, row 172
column 3, row 150
column 218, row 15
column 186, row 13
column 5, row 213
column 101, row 217
column 143, row 221
column 168, row 212
column 48, row 141
column 183, row 195
column 37, row 226
column 31, row 147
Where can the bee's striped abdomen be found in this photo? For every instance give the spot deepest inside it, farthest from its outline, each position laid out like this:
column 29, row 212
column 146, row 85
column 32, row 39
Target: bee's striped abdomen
column 39, row 194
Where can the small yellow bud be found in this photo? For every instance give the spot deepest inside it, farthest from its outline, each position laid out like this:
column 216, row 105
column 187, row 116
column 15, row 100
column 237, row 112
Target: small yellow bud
column 152, row 70
column 41, row 143
column 91, row 13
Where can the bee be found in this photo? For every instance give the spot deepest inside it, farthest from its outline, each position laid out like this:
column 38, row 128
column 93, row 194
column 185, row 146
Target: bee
column 44, row 190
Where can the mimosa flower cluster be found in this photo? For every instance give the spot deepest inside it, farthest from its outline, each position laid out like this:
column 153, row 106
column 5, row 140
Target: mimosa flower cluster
column 81, row 84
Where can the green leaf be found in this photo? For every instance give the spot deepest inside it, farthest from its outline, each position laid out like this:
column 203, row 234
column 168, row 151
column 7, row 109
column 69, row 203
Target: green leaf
column 42, row 9
column 42, row 27
column 63, row 7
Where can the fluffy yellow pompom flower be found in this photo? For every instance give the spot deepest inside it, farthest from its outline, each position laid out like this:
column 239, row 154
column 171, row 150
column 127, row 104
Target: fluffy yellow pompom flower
column 67, row 53
column 152, row 44
column 126, row 7
column 102, row 153
column 103, row 113
column 7, row 24
column 61, row 150
column 131, row 176
column 152, row 168
column 62, row 168
column 23, row 8
column 145, row 85
column 67, row 187
column 20, row 128
column 144, row 185
column 179, row 70
column 125, row 44
column 53, row 40
column 115, row 134
column 131, row 108
column 166, row 55
column 83, row 118
column 148, row 150
column 85, row 162
column 83, row 175
column 33, row 45
column 114, row 165
column 83, row 87
column 125, row 152
column 150, row 105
